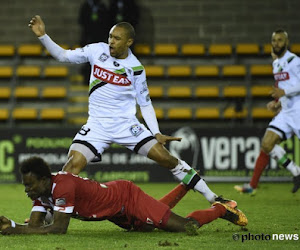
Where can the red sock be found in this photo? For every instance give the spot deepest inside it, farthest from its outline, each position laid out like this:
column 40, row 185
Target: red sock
column 173, row 197
column 261, row 163
column 207, row 215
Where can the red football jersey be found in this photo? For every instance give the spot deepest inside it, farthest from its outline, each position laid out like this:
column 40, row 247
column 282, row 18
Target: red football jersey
column 82, row 197
column 90, row 200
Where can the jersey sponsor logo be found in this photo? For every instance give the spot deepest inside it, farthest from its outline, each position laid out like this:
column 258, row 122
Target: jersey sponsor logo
column 282, row 76
column 110, row 77
column 116, row 64
column 136, row 130
column 103, row 57
column 60, row 202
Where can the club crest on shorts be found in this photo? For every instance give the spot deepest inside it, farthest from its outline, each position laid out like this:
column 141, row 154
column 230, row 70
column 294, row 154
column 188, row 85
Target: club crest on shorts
column 136, row 130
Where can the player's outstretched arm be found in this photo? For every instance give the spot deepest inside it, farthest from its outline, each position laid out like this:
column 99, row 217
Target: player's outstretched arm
column 59, row 225
column 37, row 26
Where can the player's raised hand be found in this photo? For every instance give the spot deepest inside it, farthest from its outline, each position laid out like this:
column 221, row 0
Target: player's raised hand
column 4, row 223
column 163, row 139
column 37, row 26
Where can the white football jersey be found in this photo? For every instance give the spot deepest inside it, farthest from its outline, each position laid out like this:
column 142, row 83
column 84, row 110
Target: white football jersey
column 116, row 85
column 286, row 72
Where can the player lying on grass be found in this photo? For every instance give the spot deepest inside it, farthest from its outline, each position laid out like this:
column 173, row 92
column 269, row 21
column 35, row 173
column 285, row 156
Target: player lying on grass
column 120, row 202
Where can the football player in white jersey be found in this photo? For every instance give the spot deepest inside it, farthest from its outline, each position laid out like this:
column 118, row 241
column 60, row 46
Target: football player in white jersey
column 286, row 106
column 117, row 83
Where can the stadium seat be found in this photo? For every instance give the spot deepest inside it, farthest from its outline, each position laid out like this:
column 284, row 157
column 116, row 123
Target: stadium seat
column 231, row 112
column 295, row 48
column 78, row 120
column 166, row 49
column 261, row 91
column 64, row 46
column 179, row 92
column 267, row 48
column 79, row 99
column 5, row 92
column 159, row 113
column 220, row 50
column 234, row 91
column 56, row 71
column 4, row 114
column 52, row 114
column 154, row 70
column 142, row 49
column 207, row 91
column 156, row 91
column 7, row 50
column 192, row 50
column 234, row 71
column 247, row 49
column 75, row 46
column 207, row 113
column 6, row 71
column 179, row 113
column 25, row 114
column 207, row 71
column 28, row 71
column 179, row 71
column 26, row 92
column 30, row 50
column 76, row 109
column 261, row 113
column 54, row 92
column 261, row 70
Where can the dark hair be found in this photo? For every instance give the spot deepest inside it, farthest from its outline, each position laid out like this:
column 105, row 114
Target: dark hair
column 37, row 166
column 128, row 27
column 280, row 30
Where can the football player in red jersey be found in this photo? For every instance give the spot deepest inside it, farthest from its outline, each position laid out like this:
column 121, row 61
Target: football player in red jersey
column 120, row 202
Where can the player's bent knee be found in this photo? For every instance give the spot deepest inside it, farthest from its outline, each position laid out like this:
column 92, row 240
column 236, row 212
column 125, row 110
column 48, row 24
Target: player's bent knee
column 75, row 163
column 267, row 146
column 162, row 156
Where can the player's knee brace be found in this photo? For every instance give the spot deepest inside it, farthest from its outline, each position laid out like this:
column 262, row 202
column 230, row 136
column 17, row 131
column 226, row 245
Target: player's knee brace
column 187, row 175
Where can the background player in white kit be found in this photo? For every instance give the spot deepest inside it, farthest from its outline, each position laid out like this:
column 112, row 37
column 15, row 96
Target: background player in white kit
column 117, row 83
column 286, row 70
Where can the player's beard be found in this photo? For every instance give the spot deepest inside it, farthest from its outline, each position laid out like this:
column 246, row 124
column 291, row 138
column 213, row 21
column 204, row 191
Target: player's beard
column 280, row 52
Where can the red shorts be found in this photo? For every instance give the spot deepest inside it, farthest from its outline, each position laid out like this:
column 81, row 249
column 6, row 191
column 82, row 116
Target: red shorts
column 140, row 208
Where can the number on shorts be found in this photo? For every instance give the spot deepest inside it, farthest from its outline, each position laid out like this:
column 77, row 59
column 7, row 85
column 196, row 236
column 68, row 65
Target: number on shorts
column 84, row 131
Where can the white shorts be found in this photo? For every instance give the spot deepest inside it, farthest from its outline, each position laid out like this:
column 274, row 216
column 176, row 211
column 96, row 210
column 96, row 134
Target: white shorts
column 96, row 136
column 286, row 123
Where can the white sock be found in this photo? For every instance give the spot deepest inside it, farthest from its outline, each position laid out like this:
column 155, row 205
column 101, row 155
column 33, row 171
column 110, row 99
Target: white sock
column 293, row 168
column 202, row 188
column 183, row 172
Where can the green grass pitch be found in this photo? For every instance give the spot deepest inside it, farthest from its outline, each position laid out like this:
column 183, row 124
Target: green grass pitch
column 274, row 210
